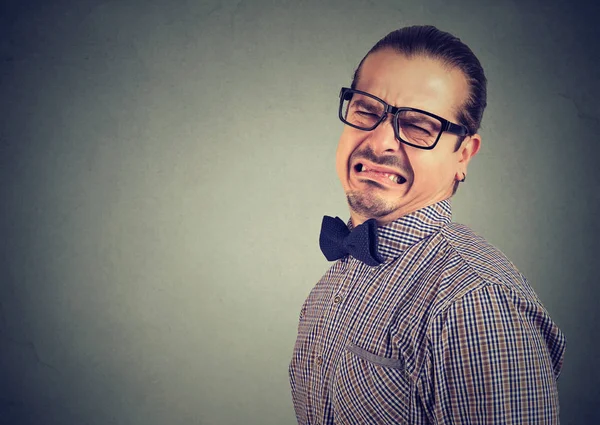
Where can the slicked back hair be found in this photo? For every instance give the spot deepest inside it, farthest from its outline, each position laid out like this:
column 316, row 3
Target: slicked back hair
column 430, row 42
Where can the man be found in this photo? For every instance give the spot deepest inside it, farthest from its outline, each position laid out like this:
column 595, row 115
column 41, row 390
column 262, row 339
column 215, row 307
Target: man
column 419, row 320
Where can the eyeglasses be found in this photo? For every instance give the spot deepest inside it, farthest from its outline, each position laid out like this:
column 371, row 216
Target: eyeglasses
column 414, row 127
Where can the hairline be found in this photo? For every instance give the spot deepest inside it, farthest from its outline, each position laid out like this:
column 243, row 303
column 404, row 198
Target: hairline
column 458, row 110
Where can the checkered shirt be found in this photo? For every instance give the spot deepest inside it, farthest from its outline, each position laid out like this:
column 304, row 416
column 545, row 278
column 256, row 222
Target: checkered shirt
column 445, row 331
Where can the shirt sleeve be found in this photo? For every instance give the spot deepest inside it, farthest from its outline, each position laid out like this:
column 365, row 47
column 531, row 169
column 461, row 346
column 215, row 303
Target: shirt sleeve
column 493, row 357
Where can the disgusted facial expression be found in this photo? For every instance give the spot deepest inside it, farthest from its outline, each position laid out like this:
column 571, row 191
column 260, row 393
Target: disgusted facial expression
column 384, row 178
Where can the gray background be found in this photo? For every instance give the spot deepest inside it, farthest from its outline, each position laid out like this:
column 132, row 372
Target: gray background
column 165, row 167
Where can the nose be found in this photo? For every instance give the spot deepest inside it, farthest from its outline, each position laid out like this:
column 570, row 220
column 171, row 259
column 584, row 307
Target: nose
column 383, row 138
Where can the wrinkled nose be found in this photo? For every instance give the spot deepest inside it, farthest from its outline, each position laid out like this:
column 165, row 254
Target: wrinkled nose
column 383, row 138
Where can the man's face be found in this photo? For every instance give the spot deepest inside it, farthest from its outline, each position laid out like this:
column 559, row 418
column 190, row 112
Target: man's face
column 365, row 159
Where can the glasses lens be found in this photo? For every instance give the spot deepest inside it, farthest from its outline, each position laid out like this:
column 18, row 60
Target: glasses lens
column 361, row 111
column 418, row 129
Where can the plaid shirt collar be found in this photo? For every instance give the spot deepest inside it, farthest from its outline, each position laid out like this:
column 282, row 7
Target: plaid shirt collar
column 395, row 237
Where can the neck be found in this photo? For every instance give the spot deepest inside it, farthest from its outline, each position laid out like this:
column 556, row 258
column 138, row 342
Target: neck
column 358, row 219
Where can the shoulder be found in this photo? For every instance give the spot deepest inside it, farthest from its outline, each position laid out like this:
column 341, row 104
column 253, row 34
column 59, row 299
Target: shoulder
column 476, row 251
column 482, row 258
column 474, row 264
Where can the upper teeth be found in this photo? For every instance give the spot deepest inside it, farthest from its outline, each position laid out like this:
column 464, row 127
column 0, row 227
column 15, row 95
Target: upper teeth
column 393, row 177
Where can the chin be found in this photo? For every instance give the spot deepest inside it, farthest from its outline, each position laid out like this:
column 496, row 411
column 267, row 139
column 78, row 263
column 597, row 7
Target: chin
column 370, row 205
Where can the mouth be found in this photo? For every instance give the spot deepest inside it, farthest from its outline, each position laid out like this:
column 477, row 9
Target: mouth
column 378, row 173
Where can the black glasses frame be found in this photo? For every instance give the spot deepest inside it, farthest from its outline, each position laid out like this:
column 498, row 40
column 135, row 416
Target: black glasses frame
column 346, row 94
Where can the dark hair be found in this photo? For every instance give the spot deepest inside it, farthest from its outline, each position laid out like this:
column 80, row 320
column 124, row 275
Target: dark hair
column 431, row 42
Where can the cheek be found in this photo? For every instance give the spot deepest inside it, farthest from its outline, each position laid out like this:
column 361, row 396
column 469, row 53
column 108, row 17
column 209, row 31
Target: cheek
column 431, row 169
column 346, row 146
column 341, row 161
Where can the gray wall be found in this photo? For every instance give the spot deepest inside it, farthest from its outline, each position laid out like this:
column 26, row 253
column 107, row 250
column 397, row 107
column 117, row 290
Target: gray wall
column 165, row 167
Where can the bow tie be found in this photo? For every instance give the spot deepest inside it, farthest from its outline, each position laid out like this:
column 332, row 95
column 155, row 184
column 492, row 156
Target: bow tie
column 336, row 241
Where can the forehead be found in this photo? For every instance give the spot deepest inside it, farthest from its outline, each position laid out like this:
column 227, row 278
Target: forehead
column 418, row 82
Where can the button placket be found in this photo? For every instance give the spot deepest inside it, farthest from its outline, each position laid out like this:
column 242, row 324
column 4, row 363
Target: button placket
column 319, row 360
column 339, row 295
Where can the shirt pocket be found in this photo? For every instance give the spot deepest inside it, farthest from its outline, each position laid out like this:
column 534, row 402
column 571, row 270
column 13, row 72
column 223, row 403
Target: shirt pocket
column 370, row 389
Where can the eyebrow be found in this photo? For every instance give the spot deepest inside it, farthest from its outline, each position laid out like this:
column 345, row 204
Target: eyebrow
column 435, row 124
column 371, row 107
column 419, row 118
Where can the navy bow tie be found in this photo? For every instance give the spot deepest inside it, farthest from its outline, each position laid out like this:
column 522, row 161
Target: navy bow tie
column 337, row 241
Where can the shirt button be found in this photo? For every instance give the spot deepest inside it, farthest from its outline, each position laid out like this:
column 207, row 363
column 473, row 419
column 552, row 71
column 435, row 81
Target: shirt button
column 337, row 299
column 319, row 360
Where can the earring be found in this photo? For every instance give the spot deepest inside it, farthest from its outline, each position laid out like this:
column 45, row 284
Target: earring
column 464, row 178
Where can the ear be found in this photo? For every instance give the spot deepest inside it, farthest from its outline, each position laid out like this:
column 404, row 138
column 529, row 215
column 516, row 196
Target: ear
column 467, row 150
